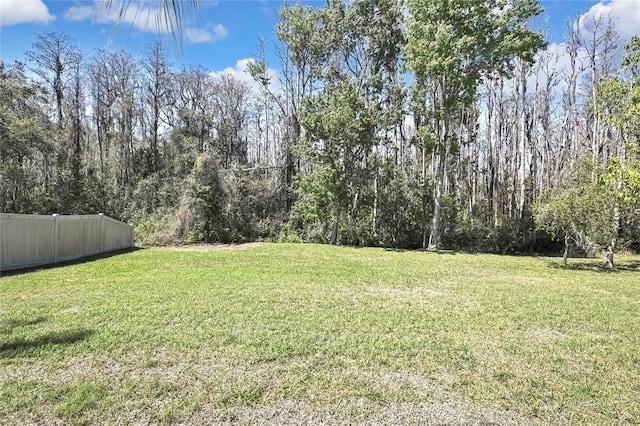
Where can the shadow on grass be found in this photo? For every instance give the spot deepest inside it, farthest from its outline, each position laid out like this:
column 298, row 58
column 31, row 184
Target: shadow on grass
column 597, row 266
column 8, row 325
column 23, row 347
column 70, row 262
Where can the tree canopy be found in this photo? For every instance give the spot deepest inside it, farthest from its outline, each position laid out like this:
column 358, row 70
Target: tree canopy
column 442, row 124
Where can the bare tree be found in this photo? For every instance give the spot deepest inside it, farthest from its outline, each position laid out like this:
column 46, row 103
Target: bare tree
column 52, row 55
column 156, row 96
column 230, row 100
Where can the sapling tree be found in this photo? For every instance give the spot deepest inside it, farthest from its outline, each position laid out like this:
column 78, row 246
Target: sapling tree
column 580, row 210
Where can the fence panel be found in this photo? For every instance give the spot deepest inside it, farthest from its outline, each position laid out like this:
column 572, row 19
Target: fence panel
column 31, row 240
column 78, row 236
column 26, row 241
column 114, row 235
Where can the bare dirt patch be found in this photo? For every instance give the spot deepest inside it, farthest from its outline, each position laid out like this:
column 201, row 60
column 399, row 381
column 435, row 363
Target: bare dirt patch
column 214, row 247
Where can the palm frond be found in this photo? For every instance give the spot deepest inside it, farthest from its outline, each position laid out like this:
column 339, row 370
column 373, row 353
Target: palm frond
column 170, row 17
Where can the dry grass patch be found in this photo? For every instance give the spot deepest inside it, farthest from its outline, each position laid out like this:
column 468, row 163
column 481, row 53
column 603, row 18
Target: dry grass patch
column 198, row 389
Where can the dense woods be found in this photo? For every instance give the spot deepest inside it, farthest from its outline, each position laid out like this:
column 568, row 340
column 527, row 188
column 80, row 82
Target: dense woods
column 426, row 124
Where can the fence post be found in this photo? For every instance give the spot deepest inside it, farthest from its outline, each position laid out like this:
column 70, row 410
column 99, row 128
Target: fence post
column 55, row 238
column 132, row 235
column 101, row 232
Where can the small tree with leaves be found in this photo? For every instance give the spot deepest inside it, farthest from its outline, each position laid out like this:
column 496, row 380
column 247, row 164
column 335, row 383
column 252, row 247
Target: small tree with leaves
column 580, row 211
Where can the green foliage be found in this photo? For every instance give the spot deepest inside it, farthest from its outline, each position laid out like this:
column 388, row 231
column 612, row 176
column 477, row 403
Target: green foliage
column 269, row 230
column 619, row 98
column 251, row 195
column 331, row 157
column 581, row 208
column 340, row 132
column 451, row 46
column 316, row 196
column 623, row 178
column 352, row 49
column 457, row 43
column 403, row 208
column 28, row 143
column 206, row 198
column 298, row 30
column 155, row 229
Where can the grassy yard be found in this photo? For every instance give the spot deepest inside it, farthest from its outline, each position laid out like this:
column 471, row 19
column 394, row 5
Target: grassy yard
column 303, row 334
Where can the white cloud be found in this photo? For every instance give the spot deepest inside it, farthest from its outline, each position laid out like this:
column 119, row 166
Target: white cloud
column 239, row 72
column 219, row 31
column 79, row 13
column 198, row 35
column 141, row 14
column 24, row 11
column 150, row 19
column 144, row 15
column 626, row 15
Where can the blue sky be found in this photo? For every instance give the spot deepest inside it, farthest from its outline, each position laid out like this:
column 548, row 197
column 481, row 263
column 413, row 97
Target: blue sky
column 219, row 33
column 223, row 33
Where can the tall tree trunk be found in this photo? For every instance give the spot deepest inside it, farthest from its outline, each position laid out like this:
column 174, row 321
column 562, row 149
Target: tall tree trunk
column 57, row 85
column 522, row 138
column 374, row 215
column 434, row 236
column 292, row 136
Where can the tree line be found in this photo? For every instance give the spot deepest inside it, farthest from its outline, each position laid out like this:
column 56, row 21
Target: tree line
column 427, row 124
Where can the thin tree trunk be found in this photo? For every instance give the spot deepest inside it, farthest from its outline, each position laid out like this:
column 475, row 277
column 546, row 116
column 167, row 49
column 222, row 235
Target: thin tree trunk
column 567, row 244
column 375, row 201
column 434, row 236
column 334, row 229
column 522, row 138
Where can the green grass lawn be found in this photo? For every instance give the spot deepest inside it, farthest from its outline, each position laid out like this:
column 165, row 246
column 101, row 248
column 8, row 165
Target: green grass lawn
column 291, row 334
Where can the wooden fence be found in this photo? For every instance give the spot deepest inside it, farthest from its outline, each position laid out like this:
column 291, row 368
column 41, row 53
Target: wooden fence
column 32, row 240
